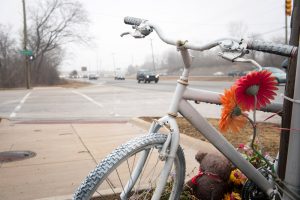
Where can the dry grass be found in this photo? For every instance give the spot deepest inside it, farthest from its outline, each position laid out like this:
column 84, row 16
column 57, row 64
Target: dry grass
column 268, row 134
column 73, row 84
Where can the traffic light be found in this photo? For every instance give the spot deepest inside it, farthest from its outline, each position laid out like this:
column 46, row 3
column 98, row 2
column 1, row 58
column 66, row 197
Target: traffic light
column 288, row 7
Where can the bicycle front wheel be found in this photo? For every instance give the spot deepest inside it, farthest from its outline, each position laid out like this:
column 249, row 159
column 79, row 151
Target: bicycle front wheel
column 110, row 178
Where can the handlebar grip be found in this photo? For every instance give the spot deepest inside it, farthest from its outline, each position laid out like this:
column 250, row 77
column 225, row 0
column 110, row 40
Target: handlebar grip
column 269, row 47
column 133, row 20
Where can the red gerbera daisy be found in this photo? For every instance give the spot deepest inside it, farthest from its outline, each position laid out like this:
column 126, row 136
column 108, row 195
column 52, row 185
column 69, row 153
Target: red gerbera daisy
column 257, row 83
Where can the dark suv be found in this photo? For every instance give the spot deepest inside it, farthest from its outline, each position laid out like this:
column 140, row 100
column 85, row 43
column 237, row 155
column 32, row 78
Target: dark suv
column 147, row 76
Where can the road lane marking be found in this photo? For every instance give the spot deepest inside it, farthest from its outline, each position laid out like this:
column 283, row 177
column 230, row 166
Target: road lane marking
column 18, row 107
column 88, row 98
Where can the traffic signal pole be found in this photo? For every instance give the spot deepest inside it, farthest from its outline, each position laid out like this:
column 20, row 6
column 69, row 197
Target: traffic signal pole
column 286, row 29
column 292, row 175
column 153, row 62
column 26, row 61
column 289, row 87
column 291, row 115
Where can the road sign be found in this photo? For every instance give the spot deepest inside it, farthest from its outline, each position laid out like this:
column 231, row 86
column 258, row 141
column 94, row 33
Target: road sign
column 26, row 52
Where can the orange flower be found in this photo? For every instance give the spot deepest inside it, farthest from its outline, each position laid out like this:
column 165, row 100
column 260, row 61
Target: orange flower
column 232, row 196
column 260, row 84
column 231, row 117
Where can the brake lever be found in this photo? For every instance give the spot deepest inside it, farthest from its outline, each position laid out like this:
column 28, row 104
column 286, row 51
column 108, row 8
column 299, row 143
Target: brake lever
column 140, row 31
column 135, row 34
column 236, row 58
column 125, row 33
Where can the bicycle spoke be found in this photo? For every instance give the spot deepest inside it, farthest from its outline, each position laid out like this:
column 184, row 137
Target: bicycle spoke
column 128, row 168
column 99, row 193
column 111, row 185
column 152, row 172
column 148, row 158
column 149, row 190
column 120, row 180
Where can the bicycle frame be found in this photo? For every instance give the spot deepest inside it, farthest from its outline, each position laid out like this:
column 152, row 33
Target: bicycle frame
column 180, row 104
column 232, row 50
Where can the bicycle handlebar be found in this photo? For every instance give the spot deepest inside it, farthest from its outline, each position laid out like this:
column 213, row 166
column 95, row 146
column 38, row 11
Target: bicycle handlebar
column 269, row 47
column 133, row 21
column 279, row 49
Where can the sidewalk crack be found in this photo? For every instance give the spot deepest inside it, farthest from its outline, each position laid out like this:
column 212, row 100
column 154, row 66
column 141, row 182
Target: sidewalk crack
column 83, row 144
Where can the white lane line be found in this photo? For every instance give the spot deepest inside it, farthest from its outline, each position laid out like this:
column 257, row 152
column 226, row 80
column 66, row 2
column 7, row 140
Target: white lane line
column 88, row 98
column 18, row 107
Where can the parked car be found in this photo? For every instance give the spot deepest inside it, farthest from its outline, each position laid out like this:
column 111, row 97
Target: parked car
column 279, row 74
column 234, row 73
column 285, row 64
column 93, row 77
column 243, row 73
column 147, row 76
column 218, row 74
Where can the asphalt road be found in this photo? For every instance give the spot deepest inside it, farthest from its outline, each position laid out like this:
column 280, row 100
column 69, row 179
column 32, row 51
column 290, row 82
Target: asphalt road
column 104, row 99
column 169, row 86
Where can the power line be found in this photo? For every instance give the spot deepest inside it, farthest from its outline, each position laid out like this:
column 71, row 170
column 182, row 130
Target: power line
column 271, row 31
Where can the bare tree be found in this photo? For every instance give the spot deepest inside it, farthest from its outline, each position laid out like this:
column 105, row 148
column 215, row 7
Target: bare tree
column 131, row 69
column 10, row 68
column 55, row 23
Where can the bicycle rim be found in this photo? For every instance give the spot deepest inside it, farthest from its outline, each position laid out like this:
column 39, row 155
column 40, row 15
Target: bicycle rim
column 109, row 178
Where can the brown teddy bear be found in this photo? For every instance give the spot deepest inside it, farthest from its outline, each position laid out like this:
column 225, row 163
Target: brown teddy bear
column 211, row 182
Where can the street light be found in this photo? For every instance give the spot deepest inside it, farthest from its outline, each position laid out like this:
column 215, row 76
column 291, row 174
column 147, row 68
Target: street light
column 27, row 66
column 113, row 55
column 152, row 55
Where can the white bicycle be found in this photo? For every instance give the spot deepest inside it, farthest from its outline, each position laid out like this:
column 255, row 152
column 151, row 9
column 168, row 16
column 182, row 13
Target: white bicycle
column 148, row 166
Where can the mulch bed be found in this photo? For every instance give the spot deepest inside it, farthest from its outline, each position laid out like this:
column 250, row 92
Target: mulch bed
column 268, row 133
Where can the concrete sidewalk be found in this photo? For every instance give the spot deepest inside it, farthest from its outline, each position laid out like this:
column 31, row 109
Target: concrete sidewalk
column 65, row 154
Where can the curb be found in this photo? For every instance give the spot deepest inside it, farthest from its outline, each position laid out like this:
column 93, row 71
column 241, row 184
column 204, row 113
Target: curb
column 140, row 123
column 4, row 121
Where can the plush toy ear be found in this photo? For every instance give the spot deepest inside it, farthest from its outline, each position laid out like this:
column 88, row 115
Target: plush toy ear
column 199, row 156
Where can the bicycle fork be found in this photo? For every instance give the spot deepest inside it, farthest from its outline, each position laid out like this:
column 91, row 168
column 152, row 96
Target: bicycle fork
column 167, row 152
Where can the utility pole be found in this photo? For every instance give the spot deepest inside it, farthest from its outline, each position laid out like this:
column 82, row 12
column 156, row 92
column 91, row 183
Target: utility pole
column 113, row 55
column 292, row 174
column 154, row 68
column 289, row 92
column 290, row 161
column 26, row 61
column 98, row 64
column 286, row 29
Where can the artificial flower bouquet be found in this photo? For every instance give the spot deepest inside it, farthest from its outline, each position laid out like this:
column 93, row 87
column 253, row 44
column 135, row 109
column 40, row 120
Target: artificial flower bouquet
column 249, row 93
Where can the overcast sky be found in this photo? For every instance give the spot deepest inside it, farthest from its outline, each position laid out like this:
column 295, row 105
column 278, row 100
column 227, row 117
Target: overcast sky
column 194, row 20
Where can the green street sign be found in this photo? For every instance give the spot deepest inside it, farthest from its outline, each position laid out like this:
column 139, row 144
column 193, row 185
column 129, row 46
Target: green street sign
column 26, row 52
